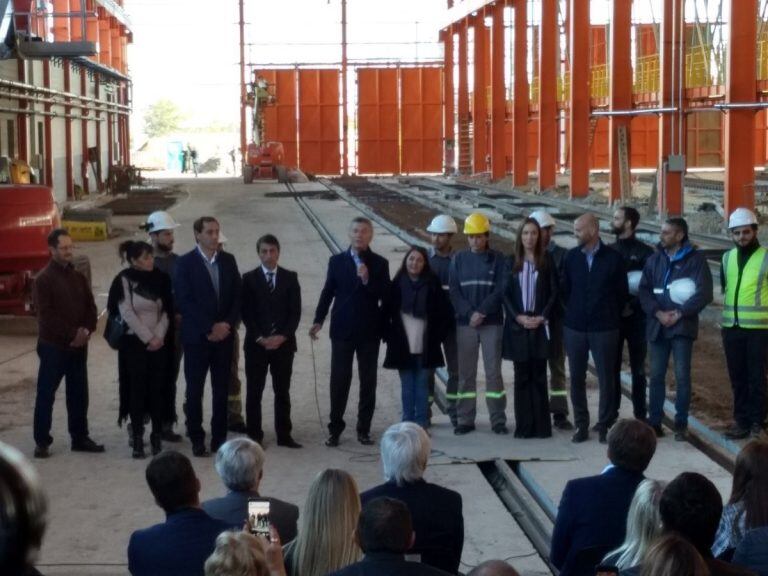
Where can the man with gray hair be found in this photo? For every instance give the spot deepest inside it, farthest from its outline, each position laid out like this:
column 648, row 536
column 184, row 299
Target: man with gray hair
column 436, row 512
column 240, row 464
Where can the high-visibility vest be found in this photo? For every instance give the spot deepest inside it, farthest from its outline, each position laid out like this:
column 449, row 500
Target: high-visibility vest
column 746, row 297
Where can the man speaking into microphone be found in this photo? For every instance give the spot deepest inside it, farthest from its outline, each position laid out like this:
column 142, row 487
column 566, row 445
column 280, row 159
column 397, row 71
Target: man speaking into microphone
column 356, row 284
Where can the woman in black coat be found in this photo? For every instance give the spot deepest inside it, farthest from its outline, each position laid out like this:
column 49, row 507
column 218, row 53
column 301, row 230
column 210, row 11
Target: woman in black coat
column 418, row 314
column 530, row 296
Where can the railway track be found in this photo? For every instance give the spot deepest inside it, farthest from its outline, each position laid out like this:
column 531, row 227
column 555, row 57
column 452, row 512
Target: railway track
column 518, row 491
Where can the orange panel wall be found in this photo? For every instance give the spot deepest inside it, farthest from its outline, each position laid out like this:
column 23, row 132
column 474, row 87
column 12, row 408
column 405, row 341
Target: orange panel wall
column 760, row 138
column 644, row 141
column 704, row 141
column 422, row 119
column 598, row 150
column 280, row 122
column 377, row 121
column 319, row 130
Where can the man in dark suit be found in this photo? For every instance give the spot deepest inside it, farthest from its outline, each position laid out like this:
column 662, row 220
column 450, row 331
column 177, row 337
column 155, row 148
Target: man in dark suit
column 436, row 512
column 593, row 511
column 240, row 464
column 357, row 282
column 385, row 535
column 271, row 313
column 182, row 543
column 207, row 290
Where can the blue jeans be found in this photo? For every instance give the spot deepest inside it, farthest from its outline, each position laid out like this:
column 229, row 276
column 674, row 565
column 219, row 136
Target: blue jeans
column 57, row 363
column 660, row 350
column 415, row 393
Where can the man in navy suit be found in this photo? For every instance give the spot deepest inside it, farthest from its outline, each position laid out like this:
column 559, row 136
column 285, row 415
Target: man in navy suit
column 593, row 511
column 271, row 314
column 207, row 290
column 180, row 545
column 357, row 282
column 385, row 535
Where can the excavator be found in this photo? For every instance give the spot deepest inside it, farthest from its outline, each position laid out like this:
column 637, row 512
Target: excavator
column 263, row 160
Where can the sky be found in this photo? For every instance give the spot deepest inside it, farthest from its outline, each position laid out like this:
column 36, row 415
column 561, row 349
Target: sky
column 187, row 50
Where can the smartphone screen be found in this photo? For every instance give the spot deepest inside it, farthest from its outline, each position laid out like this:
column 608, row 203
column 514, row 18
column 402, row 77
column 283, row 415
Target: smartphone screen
column 258, row 517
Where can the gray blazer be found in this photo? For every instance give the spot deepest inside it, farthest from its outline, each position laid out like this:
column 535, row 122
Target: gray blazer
column 233, row 509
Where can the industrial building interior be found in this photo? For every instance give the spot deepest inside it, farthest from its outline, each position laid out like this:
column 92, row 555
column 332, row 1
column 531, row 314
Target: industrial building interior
column 398, row 116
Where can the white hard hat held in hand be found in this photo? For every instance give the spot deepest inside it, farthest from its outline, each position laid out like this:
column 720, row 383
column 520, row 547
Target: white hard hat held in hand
column 680, row 291
column 543, row 217
column 442, row 224
column 160, row 220
column 633, row 279
column 742, row 217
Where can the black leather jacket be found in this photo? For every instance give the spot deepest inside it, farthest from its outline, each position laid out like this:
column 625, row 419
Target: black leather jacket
column 635, row 254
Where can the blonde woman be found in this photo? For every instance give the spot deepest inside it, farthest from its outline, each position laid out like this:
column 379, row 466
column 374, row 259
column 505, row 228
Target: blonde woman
column 643, row 526
column 243, row 554
column 327, row 524
column 673, row 555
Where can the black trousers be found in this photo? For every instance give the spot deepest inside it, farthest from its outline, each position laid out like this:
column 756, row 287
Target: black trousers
column 279, row 363
column 174, row 352
column 199, row 358
column 147, row 380
column 632, row 331
column 745, row 355
column 342, row 355
column 532, row 418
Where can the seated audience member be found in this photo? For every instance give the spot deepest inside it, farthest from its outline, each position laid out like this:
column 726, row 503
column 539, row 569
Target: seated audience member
column 243, row 554
column 385, row 533
column 493, row 568
column 593, row 511
column 23, row 510
column 643, row 526
column 240, row 464
column 181, row 544
column 326, row 542
column 673, row 555
column 435, row 511
column 691, row 506
column 747, row 507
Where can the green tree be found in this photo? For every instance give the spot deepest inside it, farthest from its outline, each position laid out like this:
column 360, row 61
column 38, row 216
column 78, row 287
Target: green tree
column 162, row 117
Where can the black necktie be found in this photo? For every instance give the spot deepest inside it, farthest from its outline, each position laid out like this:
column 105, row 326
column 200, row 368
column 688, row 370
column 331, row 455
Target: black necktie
column 271, row 281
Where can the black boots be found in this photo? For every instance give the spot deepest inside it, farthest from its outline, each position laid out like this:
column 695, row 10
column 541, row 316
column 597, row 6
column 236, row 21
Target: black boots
column 156, row 442
column 138, row 446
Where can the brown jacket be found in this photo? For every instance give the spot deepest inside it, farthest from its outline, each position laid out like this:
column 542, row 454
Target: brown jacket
column 64, row 303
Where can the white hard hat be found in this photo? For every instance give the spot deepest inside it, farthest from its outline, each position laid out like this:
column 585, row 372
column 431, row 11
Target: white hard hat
column 680, row 291
column 442, row 224
column 160, row 220
column 633, row 279
column 543, row 217
column 742, row 217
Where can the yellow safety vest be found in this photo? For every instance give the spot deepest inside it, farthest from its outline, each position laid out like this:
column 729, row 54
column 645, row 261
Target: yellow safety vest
column 748, row 307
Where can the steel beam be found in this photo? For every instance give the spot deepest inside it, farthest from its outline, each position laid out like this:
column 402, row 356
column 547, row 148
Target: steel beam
column 47, row 147
column 521, row 95
column 579, row 98
column 498, row 101
column 671, row 126
column 68, row 134
column 479, row 96
column 740, row 121
column 463, row 102
column 620, row 88
column 448, row 104
column 549, row 42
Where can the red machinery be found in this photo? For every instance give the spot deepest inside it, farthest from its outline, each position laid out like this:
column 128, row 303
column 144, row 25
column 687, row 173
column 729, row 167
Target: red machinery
column 28, row 213
column 262, row 159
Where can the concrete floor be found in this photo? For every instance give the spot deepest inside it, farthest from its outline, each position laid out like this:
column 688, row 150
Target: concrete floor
column 96, row 501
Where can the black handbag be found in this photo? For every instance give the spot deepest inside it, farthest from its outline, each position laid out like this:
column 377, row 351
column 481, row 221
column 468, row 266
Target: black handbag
column 116, row 326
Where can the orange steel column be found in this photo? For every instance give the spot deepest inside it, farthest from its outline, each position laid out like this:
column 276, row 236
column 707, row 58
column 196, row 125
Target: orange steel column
column 498, row 103
column 670, row 141
column 520, row 111
column 449, row 146
column 579, row 99
column 105, row 39
column 479, row 97
column 75, row 22
column 61, row 24
column 92, row 30
column 117, row 52
column 463, row 102
column 620, row 89
column 549, row 40
column 68, row 131
column 740, row 123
